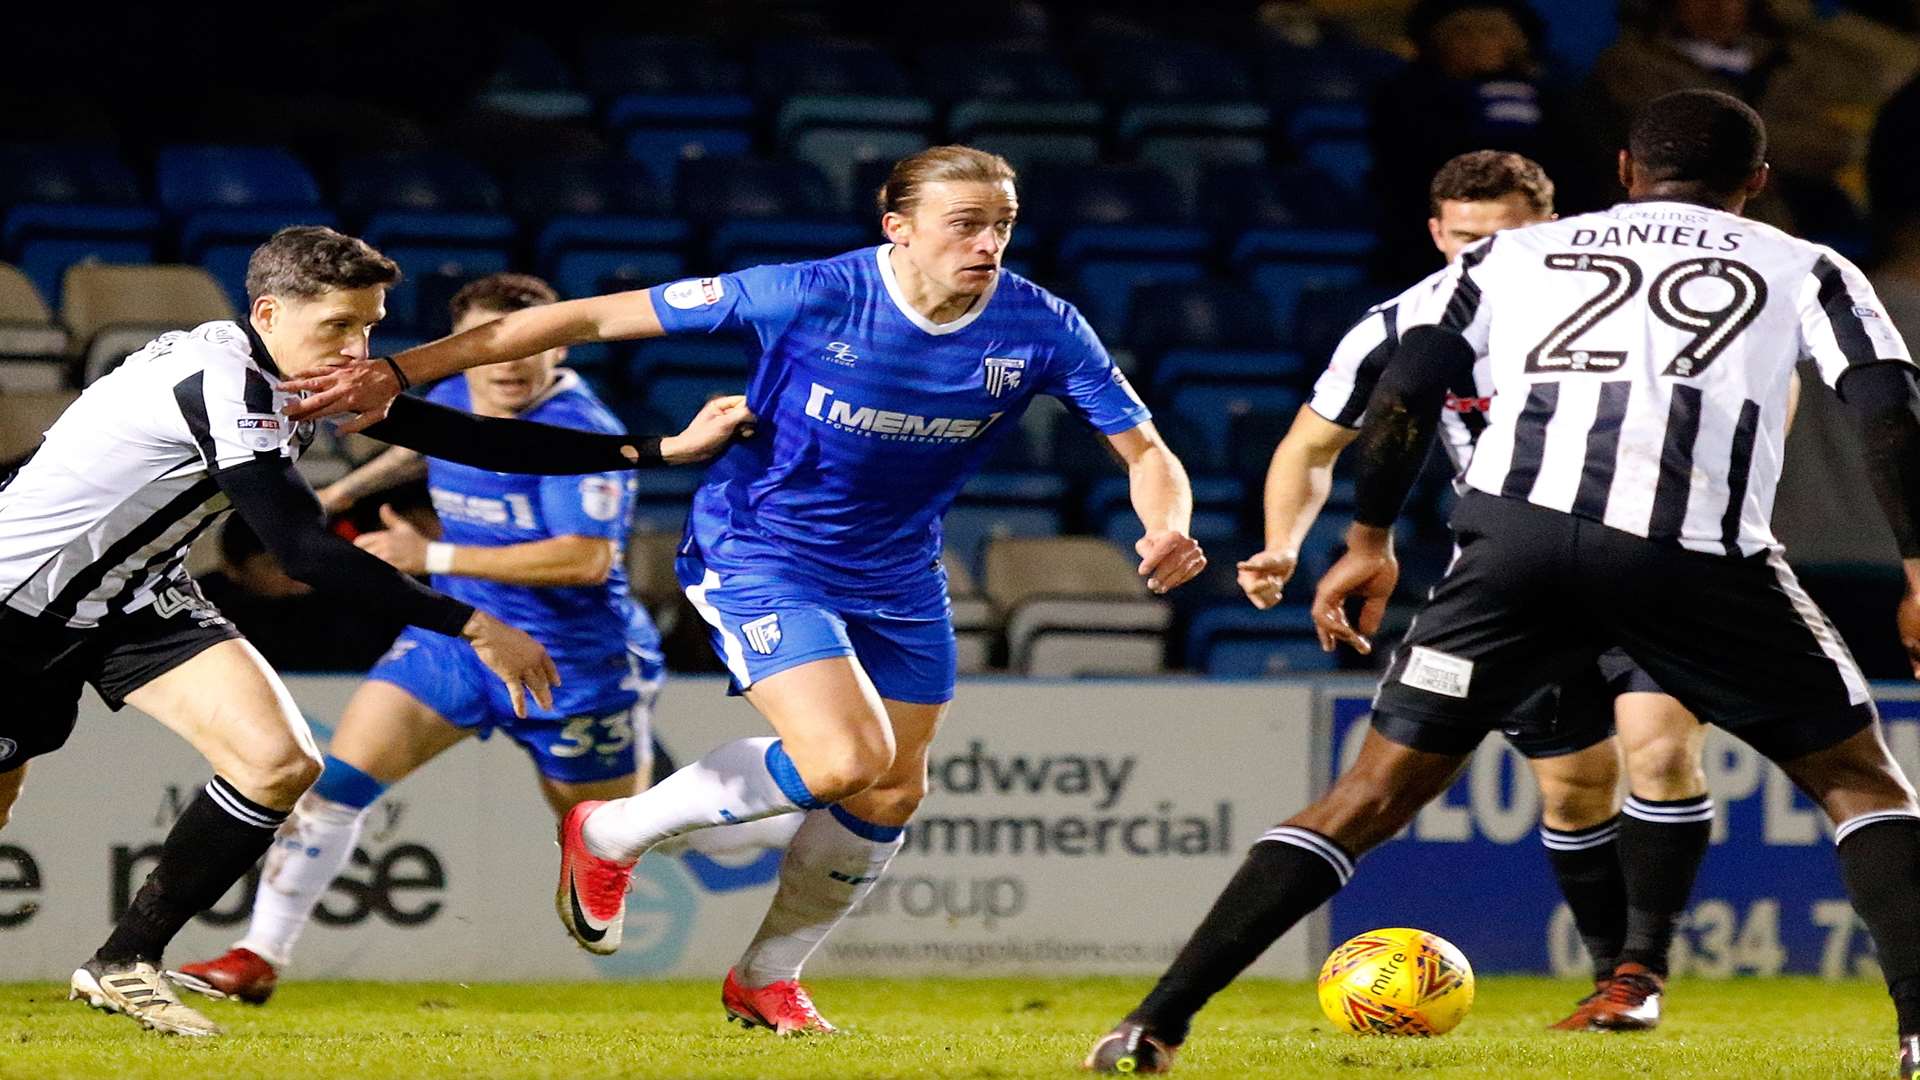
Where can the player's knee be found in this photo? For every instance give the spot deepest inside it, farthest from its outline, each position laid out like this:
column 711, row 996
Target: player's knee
column 1575, row 802
column 894, row 801
column 847, row 769
column 1666, row 768
column 280, row 780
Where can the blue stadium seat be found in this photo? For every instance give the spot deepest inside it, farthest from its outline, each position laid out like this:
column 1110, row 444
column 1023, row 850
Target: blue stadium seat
column 393, row 228
column 968, row 526
column 1105, row 289
column 661, row 496
column 840, row 152
column 74, row 173
column 1160, row 69
column 1334, row 71
column 1213, row 313
column 676, row 397
column 1026, row 488
column 613, row 65
column 1324, row 314
column 1027, row 150
column 1237, row 641
column 1079, row 243
column 664, row 150
column 195, row 178
column 1110, row 494
column 1284, row 283
column 977, row 118
column 432, row 275
column 1251, row 439
column 572, row 186
column 1238, row 197
column 1212, row 364
column 228, row 265
column 1143, row 121
column 798, row 114
column 787, row 68
column 1348, row 159
column 590, row 273
column 630, row 111
column 754, row 242
column 45, row 261
column 1211, row 408
column 587, row 232
column 721, row 355
column 29, row 222
column 416, row 181
column 1186, row 158
column 1324, row 543
column 1210, row 527
column 960, row 71
column 251, row 227
column 715, row 189
column 1333, row 119
column 1059, row 195
column 1353, row 246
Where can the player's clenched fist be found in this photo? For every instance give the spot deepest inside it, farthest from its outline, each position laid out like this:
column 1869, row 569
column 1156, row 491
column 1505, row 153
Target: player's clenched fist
column 1263, row 577
column 521, row 662
column 718, row 423
column 1169, row 559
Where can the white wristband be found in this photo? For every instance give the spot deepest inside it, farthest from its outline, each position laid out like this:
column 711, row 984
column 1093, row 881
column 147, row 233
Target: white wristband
column 439, row 558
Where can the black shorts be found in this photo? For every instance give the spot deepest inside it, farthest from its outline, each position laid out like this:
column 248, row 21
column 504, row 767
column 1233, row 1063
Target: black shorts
column 46, row 663
column 1537, row 596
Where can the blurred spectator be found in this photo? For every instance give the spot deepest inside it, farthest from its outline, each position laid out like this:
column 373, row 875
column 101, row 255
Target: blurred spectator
column 1475, row 84
column 295, row 628
column 1816, row 84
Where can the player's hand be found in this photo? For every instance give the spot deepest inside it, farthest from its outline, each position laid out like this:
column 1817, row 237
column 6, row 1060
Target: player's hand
column 1908, row 615
column 335, row 499
column 713, row 429
column 521, row 662
column 1368, row 570
column 365, row 387
column 1263, row 577
column 1169, row 559
column 399, row 545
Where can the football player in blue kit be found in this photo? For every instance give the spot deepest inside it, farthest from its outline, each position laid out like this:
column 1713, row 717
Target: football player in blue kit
column 884, row 378
column 545, row 551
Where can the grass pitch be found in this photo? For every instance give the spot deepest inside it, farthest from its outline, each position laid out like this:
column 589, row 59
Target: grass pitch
column 997, row 1028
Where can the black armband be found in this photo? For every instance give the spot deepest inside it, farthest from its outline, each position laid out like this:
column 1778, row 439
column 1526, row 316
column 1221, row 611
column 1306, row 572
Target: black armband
column 398, row 375
column 1402, row 415
column 277, row 504
column 1886, row 402
column 510, row 446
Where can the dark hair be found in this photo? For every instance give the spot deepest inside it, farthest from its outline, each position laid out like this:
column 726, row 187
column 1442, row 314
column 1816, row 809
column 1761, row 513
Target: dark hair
column 501, row 293
column 1427, row 14
column 1698, row 136
column 930, row 166
column 1482, row 175
column 307, row 260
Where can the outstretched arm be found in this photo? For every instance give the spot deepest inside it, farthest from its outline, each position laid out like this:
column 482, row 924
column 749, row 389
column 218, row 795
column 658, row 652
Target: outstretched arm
column 523, row 446
column 1298, row 481
column 1163, row 498
column 1402, row 417
column 391, row 468
column 1886, row 400
column 369, row 386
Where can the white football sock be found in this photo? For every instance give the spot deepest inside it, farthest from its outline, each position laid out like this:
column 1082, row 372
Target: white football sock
column 745, row 780
column 828, row 869
column 726, row 841
column 310, row 851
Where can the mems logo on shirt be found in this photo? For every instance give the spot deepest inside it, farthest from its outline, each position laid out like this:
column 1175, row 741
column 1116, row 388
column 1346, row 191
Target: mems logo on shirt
column 822, row 405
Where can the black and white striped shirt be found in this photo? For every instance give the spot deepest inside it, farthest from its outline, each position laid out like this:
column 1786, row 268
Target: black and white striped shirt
column 1641, row 358
column 98, row 522
column 1340, row 393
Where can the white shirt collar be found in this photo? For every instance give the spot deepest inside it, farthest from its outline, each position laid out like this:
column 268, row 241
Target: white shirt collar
column 913, row 315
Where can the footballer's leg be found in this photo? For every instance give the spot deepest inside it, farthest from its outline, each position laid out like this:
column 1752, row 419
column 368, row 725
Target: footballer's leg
column 1664, row 833
column 235, row 711
column 1292, row 870
column 1579, row 828
column 833, row 861
column 383, row 736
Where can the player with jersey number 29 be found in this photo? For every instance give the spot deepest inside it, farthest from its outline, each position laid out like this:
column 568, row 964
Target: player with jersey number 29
column 1620, row 497
column 884, row 378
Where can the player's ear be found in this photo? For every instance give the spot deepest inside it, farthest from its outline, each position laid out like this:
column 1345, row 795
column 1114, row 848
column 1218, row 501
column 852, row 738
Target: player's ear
column 898, row 227
column 1625, row 170
column 265, row 311
column 1758, row 181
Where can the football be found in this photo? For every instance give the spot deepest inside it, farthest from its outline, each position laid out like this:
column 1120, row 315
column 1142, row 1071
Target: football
column 1396, row 982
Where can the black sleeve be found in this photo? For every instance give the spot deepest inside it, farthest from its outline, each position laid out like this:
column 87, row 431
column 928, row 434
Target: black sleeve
column 276, row 503
column 1402, row 415
column 515, row 446
column 1886, row 401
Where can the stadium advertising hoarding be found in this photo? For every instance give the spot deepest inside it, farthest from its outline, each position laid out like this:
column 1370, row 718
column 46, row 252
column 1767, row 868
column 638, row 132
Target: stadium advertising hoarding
column 1072, row 827
column 1471, row 868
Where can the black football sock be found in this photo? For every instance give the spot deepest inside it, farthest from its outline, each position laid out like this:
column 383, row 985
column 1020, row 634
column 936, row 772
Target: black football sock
column 218, row 838
column 1586, row 863
column 1880, row 862
column 1290, row 872
column 1661, row 845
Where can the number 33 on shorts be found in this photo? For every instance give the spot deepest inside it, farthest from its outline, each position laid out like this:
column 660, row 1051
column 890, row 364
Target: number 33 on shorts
column 603, row 735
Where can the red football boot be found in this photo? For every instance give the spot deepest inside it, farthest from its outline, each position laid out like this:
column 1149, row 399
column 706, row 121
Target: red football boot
column 783, row 1007
column 241, row 974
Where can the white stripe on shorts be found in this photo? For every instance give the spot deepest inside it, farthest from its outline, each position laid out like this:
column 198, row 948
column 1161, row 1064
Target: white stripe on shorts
column 736, row 657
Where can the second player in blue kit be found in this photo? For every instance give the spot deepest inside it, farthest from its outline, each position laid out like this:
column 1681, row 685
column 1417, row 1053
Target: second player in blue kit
column 882, row 380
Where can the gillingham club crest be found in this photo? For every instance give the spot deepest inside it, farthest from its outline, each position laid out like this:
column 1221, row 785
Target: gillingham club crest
column 1003, row 374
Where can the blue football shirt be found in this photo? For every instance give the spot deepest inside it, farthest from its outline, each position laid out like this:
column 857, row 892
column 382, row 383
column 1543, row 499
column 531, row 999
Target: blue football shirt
column 872, row 417
column 585, row 623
